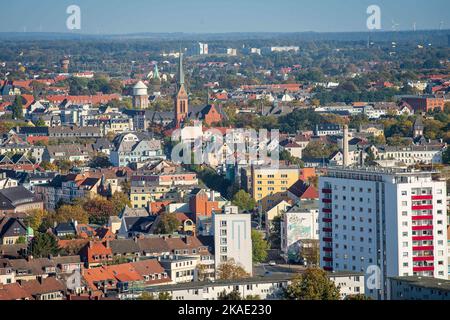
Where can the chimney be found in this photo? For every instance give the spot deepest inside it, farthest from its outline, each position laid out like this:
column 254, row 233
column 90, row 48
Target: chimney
column 345, row 147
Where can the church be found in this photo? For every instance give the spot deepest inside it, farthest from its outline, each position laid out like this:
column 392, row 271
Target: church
column 209, row 114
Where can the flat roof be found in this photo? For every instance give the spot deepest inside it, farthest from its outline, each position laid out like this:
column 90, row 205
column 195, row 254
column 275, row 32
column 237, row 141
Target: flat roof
column 425, row 282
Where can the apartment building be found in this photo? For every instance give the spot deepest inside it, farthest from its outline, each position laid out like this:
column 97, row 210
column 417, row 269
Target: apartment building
column 232, row 238
column 391, row 219
column 270, row 185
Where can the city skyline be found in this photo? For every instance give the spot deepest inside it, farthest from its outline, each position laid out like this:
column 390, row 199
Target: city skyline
column 201, row 16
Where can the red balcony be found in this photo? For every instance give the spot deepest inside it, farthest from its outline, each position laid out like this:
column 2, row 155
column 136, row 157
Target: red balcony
column 418, row 218
column 325, row 200
column 327, row 259
column 420, row 228
column 423, row 207
column 428, row 197
column 431, row 258
column 327, row 239
column 327, row 249
column 327, row 230
column 329, row 269
column 422, row 238
column 326, row 220
column 423, row 248
column 327, row 191
column 326, row 210
column 420, row 269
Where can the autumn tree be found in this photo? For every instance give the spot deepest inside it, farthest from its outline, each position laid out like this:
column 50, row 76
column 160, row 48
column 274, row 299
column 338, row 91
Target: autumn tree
column 229, row 270
column 66, row 213
column 259, row 247
column 167, row 224
column 313, row 284
column 35, row 218
column 99, row 210
column 233, row 295
column 119, row 201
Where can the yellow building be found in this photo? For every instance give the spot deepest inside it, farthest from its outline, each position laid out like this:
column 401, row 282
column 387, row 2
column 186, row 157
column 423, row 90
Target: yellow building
column 140, row 196
column 270, row 185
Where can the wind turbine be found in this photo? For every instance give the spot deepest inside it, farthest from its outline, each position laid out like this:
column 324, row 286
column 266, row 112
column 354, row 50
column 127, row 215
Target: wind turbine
column 415, row 26
column 441, row 25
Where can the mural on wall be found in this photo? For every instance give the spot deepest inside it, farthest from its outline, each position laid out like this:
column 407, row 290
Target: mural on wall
column 298, row 229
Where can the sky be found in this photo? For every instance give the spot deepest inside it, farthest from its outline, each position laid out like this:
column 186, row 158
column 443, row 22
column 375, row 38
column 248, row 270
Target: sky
column 219, row 16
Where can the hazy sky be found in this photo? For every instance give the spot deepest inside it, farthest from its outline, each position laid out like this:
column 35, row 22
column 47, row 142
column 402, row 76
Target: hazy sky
column 205, row 16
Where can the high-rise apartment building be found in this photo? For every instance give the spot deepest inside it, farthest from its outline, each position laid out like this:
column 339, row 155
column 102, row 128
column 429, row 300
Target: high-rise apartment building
column 391, row 220
column 232, row 238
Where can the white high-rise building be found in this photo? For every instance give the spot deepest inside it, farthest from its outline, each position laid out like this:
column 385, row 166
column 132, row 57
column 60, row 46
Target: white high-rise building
column 391, row 222
column 232, row 238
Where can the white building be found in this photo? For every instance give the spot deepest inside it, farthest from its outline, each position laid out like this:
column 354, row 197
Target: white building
column 300, row 222
column 393, row 221
column 267, row 288
column 232, row 238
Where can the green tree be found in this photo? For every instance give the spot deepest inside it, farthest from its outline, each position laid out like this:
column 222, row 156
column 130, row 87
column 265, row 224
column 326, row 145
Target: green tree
column 275, row 231
column 244, row 201
column 35, row 218
column 446, row 156
column 40, row 123
column 17, row 108
column 259, row 247
column 43, row 245
column 168, row 224
column 313, row 284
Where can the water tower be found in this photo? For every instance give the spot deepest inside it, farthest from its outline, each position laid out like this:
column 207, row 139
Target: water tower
column 140, row 96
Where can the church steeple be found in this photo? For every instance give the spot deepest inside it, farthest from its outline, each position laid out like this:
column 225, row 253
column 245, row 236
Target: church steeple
column 180, row 71
column 182, row 98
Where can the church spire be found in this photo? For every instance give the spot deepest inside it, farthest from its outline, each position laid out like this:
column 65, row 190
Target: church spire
column 180, row 70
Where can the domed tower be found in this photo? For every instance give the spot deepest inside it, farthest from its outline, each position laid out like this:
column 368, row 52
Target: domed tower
column 140, row 96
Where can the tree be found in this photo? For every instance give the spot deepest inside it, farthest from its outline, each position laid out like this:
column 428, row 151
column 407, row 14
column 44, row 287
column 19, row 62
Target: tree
column 244, row 201
column 168, row 224
column 229, row 270
column 446, row 156
column 146, row 296
column 119, row 201
column 275, row 231
column 99, row 210
column 233, row 295
column 43, row 245
column 17, row 108
column 40, row 123
column 313, row 284
column 35, row 218
column 67, row 213
column 47, row 166
column 259, row 247
column 164, row 296
column 100, row 161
